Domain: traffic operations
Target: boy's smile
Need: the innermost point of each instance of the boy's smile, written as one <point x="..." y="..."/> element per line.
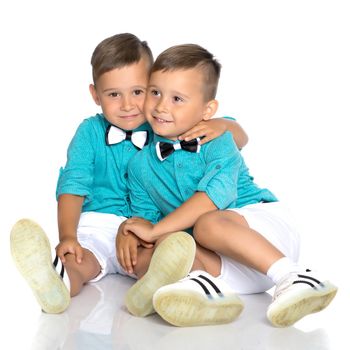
<point x="174" y="102"/>
<point x="121" y="94"/>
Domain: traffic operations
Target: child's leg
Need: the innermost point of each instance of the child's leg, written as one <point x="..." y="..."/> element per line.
<point x="272" y="252"/>
<point x="79" y="274"/>
<point x="144" y="256"/>
<point x="205" y="260"/>
<point x="228" y="233"/>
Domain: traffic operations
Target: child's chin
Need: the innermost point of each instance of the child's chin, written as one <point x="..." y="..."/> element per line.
<point x="134" y="124"/>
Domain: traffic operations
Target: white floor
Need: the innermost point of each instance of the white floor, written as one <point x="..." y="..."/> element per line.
<point x="97" y="319"/>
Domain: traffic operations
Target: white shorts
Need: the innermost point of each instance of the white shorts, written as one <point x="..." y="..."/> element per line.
<point x="97" y="233"/>
<point x="274" y="222"/>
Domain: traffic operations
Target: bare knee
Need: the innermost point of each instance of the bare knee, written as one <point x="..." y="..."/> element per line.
<point x="206" y="226"/>
<point x="211" y="224"/>
<point x="81" y="273"/>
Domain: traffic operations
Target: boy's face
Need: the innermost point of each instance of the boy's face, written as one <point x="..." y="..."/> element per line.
<point x="174" y="102"/>
<point x="121" y="94"/>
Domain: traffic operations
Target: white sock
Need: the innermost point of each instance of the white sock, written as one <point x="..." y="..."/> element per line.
<point x="281" y="268"/>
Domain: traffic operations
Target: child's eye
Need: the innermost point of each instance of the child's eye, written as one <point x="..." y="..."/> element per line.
<point x="138" y="92"/>
<point x="155" y="92"/>
<point x="177" y="99"/>
<point x="114" y="94"/>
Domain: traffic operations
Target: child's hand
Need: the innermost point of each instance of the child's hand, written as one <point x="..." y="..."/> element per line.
<point x="140" y="227"/>
<point x="71" y="246"/>
<point x="126" y="247"/>
<point x="207" y="129"/>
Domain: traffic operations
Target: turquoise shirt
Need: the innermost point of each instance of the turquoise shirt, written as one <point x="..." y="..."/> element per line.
<point x="98" y="171"/>
<point x="158" y="187"/>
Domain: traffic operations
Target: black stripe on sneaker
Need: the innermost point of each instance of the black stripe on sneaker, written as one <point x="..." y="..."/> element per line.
<point x="306" y="282"/>
<point x="310" y="278"/>
<point x="214" y="286"/>
<point x="55" y="263"/>
<point x="206" y="290"/>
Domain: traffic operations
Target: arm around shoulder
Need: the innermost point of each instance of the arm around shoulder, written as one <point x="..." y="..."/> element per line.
<point x="239" y="135"/>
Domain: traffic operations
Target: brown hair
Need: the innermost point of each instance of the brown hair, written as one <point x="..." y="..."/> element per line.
<point x="118" y="51"/>
<point x="188" y="56"/>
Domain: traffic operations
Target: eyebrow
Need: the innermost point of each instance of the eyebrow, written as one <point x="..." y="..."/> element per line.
<point x="132" y="88"/>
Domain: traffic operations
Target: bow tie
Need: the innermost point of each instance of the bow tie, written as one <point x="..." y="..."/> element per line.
<point x="165" y="149"/>
<point x="115" y="135"/>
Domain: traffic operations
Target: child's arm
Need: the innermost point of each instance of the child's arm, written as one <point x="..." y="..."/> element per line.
<point x="215" y="127"/>
<point x="73" y="186"/>
<point x="219" y="182"/>
<point x="181" y="218"/>
<point x="68" y="214"/>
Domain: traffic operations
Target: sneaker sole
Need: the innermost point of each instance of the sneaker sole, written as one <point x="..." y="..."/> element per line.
<point x="290" y="309"/>
<point x="31" y="253"/>
<point x="188" y="308"/>
<point x="171" y="261"/>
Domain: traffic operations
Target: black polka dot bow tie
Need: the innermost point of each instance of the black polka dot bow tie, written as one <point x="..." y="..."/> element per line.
<point x="165" y="149"/>
<point x="115" y="135"/>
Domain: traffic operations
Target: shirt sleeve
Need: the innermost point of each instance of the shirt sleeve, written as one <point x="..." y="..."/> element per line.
<point x="229" y="117"/>
<point x="77" y="175"/>
<point x="141" y="203"/>
<point x="223" y="161"/>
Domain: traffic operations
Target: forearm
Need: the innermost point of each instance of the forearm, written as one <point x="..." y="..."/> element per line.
<point x="68" y="215"/>
<point x="184" y="216"/>
<point x="239" y="135"/>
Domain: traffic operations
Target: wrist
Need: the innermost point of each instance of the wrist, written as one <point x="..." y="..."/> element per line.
<point x="156" y="231"/>
<point x="64" y="236"/>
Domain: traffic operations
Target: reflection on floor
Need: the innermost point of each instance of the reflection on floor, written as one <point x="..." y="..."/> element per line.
<point x="97" y="319"/>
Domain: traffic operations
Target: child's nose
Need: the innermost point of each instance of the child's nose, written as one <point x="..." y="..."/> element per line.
<point x="161" y="105"/>
<point x="127" y="104"/>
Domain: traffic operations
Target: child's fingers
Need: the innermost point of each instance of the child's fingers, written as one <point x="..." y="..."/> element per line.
<point x="60" y="254"/>
<point x="125" y="230"/>
<point x="192" y="134"/>
<point x="127" y="261"/>
<point x="133" y="255"/>
<point x="120" y="257"/>
<point x="206" y="139"/>
<point x="79" y="254"/>
<point x="146" y="244"/>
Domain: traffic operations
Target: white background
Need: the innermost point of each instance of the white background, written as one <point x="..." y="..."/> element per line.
<point x="285" y="77"/>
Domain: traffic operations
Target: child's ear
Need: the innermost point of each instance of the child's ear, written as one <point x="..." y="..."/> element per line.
<point x="210" y="109"/>
<point x="94" y="94"/>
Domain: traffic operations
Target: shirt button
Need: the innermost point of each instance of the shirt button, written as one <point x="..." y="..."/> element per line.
<point x="128" y="199"/>
<point x="179" y="165"/>
<point x="126" y="175"/>
<point x="218" y="166"/>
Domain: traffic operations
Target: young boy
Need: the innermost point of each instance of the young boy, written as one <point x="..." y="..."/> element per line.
<point x="92" y="191"/>
<point x="177" y="186"/>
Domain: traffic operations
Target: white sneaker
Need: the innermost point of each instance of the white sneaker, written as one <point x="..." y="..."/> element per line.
<point x="171" y="261"/>
<point x="31" y="252"/>
<point x="197" y="300"/>
<point x="298" y="295"/>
